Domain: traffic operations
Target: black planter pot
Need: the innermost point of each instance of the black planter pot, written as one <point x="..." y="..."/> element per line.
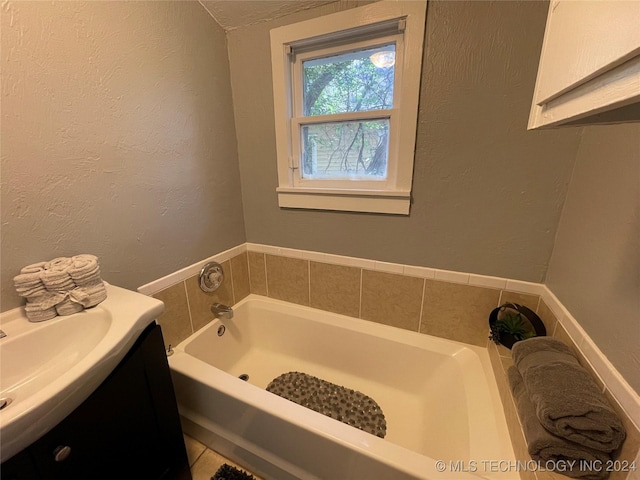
<point x="507" y="339"/>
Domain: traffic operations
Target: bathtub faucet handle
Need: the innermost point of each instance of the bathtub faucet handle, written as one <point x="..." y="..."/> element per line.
<point x="223" y="312"/>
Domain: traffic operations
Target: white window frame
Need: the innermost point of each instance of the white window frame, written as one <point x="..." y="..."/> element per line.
<point x="400" y="22"/>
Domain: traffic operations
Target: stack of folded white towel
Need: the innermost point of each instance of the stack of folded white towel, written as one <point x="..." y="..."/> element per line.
<point x="62" y="286"/>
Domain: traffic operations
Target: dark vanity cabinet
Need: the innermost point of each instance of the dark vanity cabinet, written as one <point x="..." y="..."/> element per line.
<point x="128" y="428"/>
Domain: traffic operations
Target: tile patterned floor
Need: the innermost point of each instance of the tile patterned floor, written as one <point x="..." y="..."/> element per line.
<point x="204" y="462"/>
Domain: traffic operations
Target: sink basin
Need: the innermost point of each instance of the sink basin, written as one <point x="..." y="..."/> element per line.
<point x="48" y="369"/>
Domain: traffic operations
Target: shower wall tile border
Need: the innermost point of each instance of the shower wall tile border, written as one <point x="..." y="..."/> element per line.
<point x="184" y="273"/>
<point x="628" y="399"/>
<point x="484" y="281"/>
<point x="186" y="306"/>
<point x="422" y="272"/>
<point x="387" y="267"/>
<point x="452" y="277"/>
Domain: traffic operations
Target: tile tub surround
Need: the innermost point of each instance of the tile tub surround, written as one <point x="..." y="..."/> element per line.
<point x="187" y="307"/>
<point x="413" y="298"/>
<point x="453" y="305"/>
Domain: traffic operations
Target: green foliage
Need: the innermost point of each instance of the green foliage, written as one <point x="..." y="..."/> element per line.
<point x="353" y="85"/>
<point x="346" y="83"/>
<point x="513" y="324"/>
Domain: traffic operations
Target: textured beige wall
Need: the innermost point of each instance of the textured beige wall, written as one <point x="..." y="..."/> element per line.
<point x="487" y="193"/>
<point x="117" y="138"/>
<point x="595" y="267"/>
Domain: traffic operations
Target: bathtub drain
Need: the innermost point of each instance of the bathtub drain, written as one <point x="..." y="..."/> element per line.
<point x="244" y="377"/>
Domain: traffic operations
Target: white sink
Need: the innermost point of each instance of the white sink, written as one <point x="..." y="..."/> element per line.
<point x="47" y="369"/>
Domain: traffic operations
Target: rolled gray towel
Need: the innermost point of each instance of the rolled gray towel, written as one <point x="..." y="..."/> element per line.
<point x="545" y="447"/>
<point x="567" y="401"/>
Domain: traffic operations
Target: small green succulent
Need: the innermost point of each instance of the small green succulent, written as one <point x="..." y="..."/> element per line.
<point x="513" y="324"/>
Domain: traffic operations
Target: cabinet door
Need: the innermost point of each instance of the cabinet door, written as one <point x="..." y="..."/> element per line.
<point x="584" y="39"/>
<point x="19" y="467"/>
<point x="128" y="428"/>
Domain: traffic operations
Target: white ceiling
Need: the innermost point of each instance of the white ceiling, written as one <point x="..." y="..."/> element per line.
<point x="231" y="14"/>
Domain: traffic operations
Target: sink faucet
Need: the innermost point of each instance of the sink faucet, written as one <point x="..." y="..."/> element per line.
<point x="223" y="312"/>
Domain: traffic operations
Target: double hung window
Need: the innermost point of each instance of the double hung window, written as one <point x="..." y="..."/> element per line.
<point x="346" y="94"/>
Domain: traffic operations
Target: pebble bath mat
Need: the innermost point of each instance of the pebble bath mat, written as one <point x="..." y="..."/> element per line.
<point x="343" y="404"/>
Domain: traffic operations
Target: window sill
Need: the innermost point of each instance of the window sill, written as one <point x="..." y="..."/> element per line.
<point x="390" y="202"/>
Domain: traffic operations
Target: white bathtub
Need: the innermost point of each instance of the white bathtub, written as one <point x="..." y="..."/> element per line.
<point x="439" y="397"/>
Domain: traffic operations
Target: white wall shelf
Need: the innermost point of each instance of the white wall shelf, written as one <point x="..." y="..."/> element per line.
<point x="589" y="69"/>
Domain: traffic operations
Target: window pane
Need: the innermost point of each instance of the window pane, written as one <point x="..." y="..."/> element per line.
<point x="350" y="82"/>
<point x="353" y="150"/>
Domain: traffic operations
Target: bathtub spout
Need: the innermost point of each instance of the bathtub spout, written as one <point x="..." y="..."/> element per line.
<point x="223" y="312"/>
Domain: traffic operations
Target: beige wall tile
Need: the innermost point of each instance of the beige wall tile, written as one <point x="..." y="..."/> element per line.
<point x="529" y="301"/>
<point x="495" y="360"/>
<point x="506" y="363"/>
<point x="499" y="365"/>
<point x="501" y="378"/>
<point x="200" y="302"/>
<point x="596" y="378"/>
<point x="631" y="445"/>
<point x="561" y="334"/>
<point x="335" y="288"/>
<point x="240" y="276"/>
<point x="257" y="273"/>
<point x="458" y="312"/>
<point x="391" y="299"/>
<point x="288" y="279"/>
<point x="547" y="317"/>
<point x="502" y="350"/>
<point x="544" y="475"/>
<point x="518" y="442"/>
<point x="175" y="321"/>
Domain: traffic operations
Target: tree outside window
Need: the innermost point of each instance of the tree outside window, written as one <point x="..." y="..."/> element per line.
<point x="347" y="83"/>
